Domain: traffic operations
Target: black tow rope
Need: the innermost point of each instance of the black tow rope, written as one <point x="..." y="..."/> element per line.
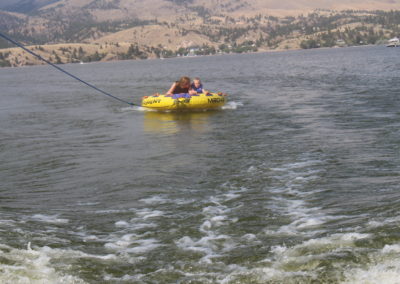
<point x="62" y="70"/>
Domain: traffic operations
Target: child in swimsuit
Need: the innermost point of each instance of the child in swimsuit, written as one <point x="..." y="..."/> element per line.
<point x="197" y="86"/>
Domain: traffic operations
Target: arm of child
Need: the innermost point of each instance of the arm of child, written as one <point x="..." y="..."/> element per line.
<point x="171" y="90"/>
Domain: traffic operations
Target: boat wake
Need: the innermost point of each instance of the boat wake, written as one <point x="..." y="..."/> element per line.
<point x="232" y="105"/>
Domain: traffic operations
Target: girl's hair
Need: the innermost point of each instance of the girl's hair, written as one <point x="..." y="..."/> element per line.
<point x="184" y="80"/>
<point x="196" y="79"/>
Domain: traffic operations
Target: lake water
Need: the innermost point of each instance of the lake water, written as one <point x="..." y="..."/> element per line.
<point x="296" y="180"/>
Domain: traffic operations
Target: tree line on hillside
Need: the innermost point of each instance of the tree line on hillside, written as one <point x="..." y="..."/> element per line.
<point x="242" y="34"/>
<point x="320" y="30"/>
<point x="369" y="29"/>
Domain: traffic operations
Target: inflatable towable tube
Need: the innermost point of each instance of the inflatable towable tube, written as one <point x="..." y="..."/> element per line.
<point x="185" y="101"/>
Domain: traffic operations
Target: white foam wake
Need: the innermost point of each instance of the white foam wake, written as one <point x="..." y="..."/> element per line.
<point x="232" y="105"/>
<point x="34" y="266"/>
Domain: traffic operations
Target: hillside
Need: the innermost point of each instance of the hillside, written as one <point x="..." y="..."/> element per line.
<point x="129" y="29"/>
<point x="156" y="8"/>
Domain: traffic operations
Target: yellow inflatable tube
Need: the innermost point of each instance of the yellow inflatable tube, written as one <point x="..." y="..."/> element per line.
<point x="185" y="101"/>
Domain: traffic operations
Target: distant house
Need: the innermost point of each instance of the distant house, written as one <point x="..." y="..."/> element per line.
<point x="394" y="42"/>
<point x="192" y="51"/>
<point x="341" y="43"/>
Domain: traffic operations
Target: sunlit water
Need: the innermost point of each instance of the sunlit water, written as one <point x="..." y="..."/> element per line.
<point x="295" y="181"/>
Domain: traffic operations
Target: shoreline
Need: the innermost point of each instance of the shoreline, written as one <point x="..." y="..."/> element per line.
<point x="21" y="52"/>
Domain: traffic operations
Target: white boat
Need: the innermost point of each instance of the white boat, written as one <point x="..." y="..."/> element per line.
<point x="394" y="42"/>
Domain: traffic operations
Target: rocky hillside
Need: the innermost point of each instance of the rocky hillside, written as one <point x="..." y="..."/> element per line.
<point x="92" y="30"/>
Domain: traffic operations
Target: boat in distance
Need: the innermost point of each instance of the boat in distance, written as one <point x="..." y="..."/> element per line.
<point x="394" y="42"/>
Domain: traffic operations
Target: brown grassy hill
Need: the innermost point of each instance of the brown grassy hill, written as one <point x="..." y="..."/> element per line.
<point x="88" y="20"/>
<point x="130" y="29"/>
<point x="170" y="9"/>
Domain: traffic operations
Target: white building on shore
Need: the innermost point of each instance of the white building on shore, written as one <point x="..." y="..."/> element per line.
<point x="394" y="42"/>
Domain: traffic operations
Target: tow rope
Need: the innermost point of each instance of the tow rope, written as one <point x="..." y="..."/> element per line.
<point x="62" y="70"/>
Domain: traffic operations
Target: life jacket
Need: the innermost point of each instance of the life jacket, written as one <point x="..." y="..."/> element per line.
<point x="179" y="90"/>
<point x="198" y="90"/>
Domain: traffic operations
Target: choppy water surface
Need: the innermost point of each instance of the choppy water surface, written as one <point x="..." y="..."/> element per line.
<point x="295" y="181"/>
